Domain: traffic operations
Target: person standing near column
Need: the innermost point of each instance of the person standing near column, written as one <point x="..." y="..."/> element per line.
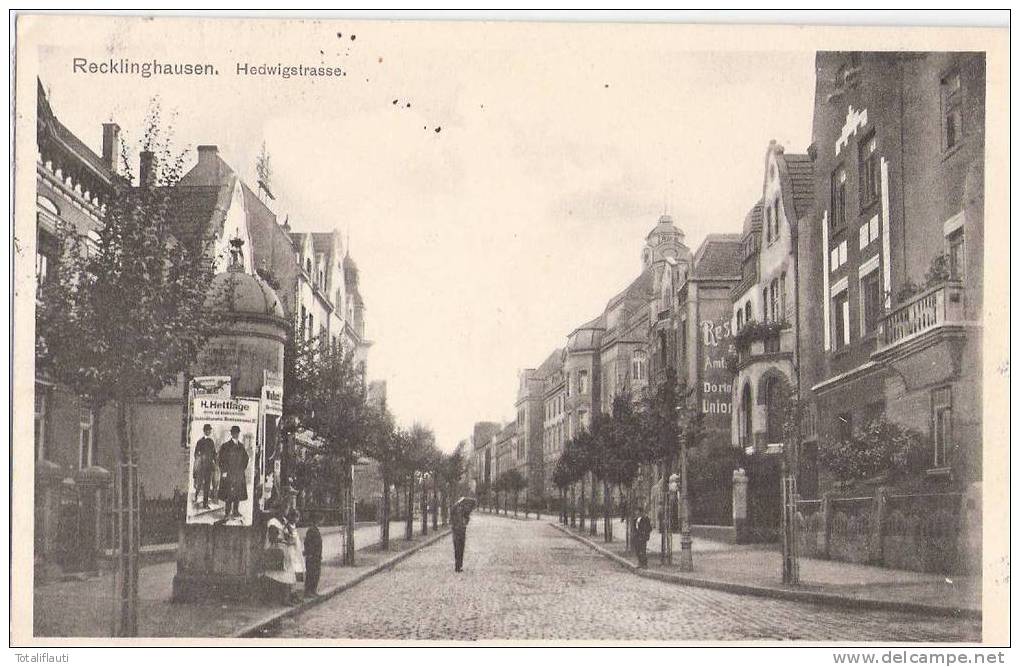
<point x="313" y="555"/>
<point x="642" y="531"/>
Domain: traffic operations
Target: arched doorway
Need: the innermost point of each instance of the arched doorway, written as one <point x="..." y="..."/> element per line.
<point x="774" y="410"/>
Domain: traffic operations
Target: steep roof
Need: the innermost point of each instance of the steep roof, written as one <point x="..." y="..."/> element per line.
<point x="202" y="197"/>
<point x="753" y="219"/>
<point x="588" y="336"/>
<point x="718" y="258"/>
<point x="551" y="363"/>
<point x="640" y="288"/>
<point x="322" y="242"/>
<point x="68" y="140"/>
<point x="801" y="174"/>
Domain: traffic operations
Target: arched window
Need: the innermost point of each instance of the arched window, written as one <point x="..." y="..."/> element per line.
<point x="639" y="366"/>
<point x="747" y="311"/>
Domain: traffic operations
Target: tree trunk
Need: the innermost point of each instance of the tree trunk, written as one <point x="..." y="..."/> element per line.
<point x="607" y="511"/>
<point x="628" y="510"/>
<point x="384" y="526"/>
<point x="665" y="524"/>
<point x="347" y="511"/>
<point x="583" y="504"/>
<point x="435" y="505"/>
<point x="424" y="508"/>
<point x="396" y="501"/>
<point x="409" y="523"/>
<point x="129" y="531"/>
<point x="593" y="523"/>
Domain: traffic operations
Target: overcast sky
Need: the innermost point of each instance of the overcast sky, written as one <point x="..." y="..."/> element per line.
<point x="483" y="245"/>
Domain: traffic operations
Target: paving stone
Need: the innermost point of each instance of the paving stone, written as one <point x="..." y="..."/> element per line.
<point x="526" y="580"/>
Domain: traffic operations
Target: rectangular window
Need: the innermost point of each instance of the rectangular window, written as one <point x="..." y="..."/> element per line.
<point x="868" y="154"/>
<point x="837" y="256"/>
<point x="942" y="425"/>
<point x="952" y="118"/>
<point x="957" y="258"/>
<point x="871" y="302"/>
<point x="41" y="400"/>
<point x="765" y="304"/>
<point x="840" y="320"/>
<point x="838" y="199"/>
<point x="86" y="437"/>
<point x="582" y="382"/>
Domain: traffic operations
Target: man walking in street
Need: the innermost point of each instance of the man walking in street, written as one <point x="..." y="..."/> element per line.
<point x="205" y="455"/>
<point x="459" y="517"/>
<point x="642" y="531"/>
<point x="313" y="556"/>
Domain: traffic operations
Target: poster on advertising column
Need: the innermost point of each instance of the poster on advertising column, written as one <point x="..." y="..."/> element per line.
<point x="223" y="434"/>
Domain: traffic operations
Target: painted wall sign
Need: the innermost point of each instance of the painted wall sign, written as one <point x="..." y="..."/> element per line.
<point x="716" y="379"/>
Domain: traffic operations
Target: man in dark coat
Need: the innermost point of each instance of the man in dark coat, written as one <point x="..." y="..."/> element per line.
<point x="642" y="531"/>
<point x="459" y="517"/>
<point x="205" y="455"/>
<point x="233" y="461"/>
<point x="313" y="555"/>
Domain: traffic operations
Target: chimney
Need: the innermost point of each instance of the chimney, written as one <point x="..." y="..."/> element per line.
<point x="111" y="142"/>
<point x="146" y="164"/>
<point x="207" y="153"/>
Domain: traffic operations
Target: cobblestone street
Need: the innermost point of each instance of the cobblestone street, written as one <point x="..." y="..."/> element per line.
<point x="526" y="580"/>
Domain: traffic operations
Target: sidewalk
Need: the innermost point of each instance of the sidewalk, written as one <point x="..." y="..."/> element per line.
<point x="756" y="569"/>
<point x="84" y="608"/>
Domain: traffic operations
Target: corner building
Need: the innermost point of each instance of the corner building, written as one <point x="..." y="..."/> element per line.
<point x="891" y="264"/>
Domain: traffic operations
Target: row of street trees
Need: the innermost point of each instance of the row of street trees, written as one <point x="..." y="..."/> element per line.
<point x="123" y="314"/>
<point x="507" y="485"/>
<point x="325" y="394"/>
<point x="612" y="451"/>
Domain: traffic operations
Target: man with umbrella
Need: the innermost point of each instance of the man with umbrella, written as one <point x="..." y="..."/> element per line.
<point x="460" y="514"/>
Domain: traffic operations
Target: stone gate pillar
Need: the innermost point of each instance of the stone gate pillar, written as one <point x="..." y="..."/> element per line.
<point x="740" y="506"/>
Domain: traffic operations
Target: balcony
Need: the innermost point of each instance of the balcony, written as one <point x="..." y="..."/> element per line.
<point x="763" y="342"/>
<point x="922" y="338"/>
<point x="931" y="309"/>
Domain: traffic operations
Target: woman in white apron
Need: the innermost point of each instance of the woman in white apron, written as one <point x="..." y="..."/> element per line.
<point x="295" y="550"/>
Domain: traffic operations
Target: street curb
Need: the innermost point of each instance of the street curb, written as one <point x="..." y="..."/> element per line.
<point x="502" y="516"/>
<point x="256" y="628"/>
<point x="816" y="597"/>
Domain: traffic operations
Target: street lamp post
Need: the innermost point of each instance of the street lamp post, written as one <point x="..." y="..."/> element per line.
<point x="679" y="486"/>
